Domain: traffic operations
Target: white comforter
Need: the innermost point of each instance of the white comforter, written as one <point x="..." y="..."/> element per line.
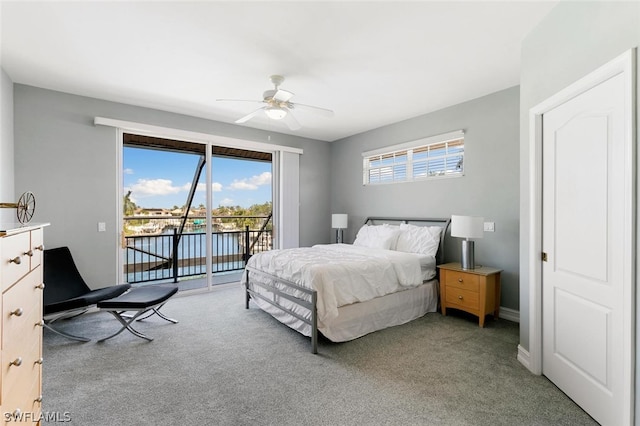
<point x="341" y="273"/>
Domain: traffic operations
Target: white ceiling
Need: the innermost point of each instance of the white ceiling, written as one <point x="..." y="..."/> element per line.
<point x="373" y="63"/>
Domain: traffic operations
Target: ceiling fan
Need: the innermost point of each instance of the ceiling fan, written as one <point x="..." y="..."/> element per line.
<point x="278" y="105"/>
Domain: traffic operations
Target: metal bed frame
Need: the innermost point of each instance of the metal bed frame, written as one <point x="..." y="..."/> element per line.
<point x="312" y="295"/>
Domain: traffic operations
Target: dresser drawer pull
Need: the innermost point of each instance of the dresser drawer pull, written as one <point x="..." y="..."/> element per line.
<point x="17" y="414"/>
<point x="18" y="312"/>
<point x="460" y="297"/>
<point x="40" y="247"/>
<point x="16" y="260"/>
<point x="39" y="361"/>
<point x="39" y="323"/>
<point x="17" y="362"/>
<point x="40" y="286"/>
<point x="459" y="280"/>
<point x="28" y="253"/>
<point x="38" y="399"/>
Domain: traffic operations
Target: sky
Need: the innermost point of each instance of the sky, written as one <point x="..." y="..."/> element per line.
<point x="162" y="179"/>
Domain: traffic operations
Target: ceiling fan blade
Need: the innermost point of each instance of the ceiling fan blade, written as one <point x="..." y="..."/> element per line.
<point x="291" y="121"/>
<point x="248" y="116"/>
<point x="282" y="95"/>
<point x="321" y="111"/>
<point x="239" y="100"/>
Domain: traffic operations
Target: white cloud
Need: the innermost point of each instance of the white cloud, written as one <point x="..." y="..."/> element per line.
<point x="150" y="187"/>
<point x="251" y="183"/>
<point x="226" y="202"/>
<point x="127" y="171"/>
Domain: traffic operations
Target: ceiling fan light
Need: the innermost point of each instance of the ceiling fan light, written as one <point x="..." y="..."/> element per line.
<point x="275" y="113"/>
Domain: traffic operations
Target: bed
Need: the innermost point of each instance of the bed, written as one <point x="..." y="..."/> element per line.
<point x="387" y="277"/>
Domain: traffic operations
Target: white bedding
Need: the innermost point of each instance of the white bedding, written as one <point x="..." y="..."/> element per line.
<point x="343" y="274"/>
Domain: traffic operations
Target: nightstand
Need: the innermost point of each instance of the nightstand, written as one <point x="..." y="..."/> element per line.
<point x="476" y="291"/>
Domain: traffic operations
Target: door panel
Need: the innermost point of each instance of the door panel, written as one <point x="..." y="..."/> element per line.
<point x="584" y="197"/>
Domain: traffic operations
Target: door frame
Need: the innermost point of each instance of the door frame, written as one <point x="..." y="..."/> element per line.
<point x="532" y="358"/>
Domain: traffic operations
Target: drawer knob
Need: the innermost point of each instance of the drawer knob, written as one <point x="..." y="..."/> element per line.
<point x="39" y="361"/>
<point x="16" y="260"/>
<point x="29" y="253"/>
<point x="460" y="297"/>
<point x="459" y="280"/>
<point x="17" y="312"/>
<point x="17" y="414"/>
<point x="17" y="362"/>
<point x="39" y="323"/>
<point x="40" y="247"/>
<point x="38" y="399"/>
<point x="40" y="286"/>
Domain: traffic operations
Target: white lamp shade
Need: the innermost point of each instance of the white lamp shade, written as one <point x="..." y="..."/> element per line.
<point x="339" y="221"/>
<point x="467" y="226"/>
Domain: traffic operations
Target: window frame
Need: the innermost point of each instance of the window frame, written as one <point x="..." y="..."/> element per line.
<point x="383" y="160"/>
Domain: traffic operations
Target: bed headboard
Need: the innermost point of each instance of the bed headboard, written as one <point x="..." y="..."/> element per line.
<point x="441" y="222"/>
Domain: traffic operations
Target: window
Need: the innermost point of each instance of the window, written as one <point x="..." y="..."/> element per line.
<point x="437" y="156"/>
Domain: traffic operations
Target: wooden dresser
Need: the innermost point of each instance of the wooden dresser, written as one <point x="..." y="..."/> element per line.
<point x="21" y="253"/>
<point x="476" y="291"/>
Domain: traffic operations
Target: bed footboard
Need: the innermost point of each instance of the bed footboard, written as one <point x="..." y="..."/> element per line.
<point x="277" y="293"/>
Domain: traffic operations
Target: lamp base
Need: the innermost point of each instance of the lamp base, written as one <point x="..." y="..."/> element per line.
<point x="468" y="261"/>
<point x="339" y="236"/>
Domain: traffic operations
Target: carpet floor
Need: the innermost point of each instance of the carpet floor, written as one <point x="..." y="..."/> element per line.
<point x="225" y="365"/>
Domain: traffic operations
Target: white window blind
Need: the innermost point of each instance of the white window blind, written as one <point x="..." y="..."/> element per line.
<point x="437" y="156"/>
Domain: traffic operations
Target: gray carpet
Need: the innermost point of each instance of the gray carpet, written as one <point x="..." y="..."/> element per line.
<point x="224" y="365"/>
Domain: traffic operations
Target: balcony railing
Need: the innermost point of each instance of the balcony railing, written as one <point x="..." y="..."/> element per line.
<point x="163" y="253"/>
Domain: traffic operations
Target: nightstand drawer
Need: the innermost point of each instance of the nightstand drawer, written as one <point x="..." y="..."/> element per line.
<point x="465" y="298"/>
<point x="463" y="281"/>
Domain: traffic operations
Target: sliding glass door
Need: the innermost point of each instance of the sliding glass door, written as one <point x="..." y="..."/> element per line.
<point x="184" y="203"/>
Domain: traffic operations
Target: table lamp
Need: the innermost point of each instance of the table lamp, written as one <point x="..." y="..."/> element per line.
<point x="467" y="227"/>
<point x="339" y="223"/>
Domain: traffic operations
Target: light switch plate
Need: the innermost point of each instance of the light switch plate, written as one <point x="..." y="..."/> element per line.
<point x="489" y="227"/>
<point x="102" y="227"/>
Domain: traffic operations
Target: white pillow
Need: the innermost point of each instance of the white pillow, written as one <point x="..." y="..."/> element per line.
<point x="377" y="236"/>
<point x="419" y="239"/>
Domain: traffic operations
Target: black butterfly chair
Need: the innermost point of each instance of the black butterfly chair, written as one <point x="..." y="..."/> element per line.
<point x="66" y="294"/>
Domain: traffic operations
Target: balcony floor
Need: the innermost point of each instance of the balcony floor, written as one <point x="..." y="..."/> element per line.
<point x="199" y="283"/>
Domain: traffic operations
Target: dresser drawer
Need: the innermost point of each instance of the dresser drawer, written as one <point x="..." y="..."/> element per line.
<point x="462" y="280"/>
<point x="37" y="247"/>
<point x="464" y="298"/>
<point x="20" y="365"/>
<point x="25" y="397"/>
<point x="15" y="261"/>
<point x="21" y="311"/>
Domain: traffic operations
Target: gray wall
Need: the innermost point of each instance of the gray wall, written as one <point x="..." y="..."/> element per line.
<point x="573" y="40"/>
<point x="489" y="187"/>
<point x="70" y="165"/>
<point x="7" y="194"/>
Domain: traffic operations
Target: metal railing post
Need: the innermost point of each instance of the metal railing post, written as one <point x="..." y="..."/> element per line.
<point x="246" y="244"/>
<point x="175" y="255"/>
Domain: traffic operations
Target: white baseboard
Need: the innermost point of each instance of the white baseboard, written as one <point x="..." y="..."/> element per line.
<point x="509" y="314"/>
<point x="525" y="358"/>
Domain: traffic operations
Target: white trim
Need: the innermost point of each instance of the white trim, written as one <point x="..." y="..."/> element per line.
<point x="445" y="137"/>
<point x="509" y="314"/>
<point x="208" y="270"/>
<point x="119" y="209"/>
<point x="187" y="135"/>
<point x="625" y="64"/>
<point x="523" y="357"/>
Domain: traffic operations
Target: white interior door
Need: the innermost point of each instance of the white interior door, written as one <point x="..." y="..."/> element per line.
<point x="586" y="278"/>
